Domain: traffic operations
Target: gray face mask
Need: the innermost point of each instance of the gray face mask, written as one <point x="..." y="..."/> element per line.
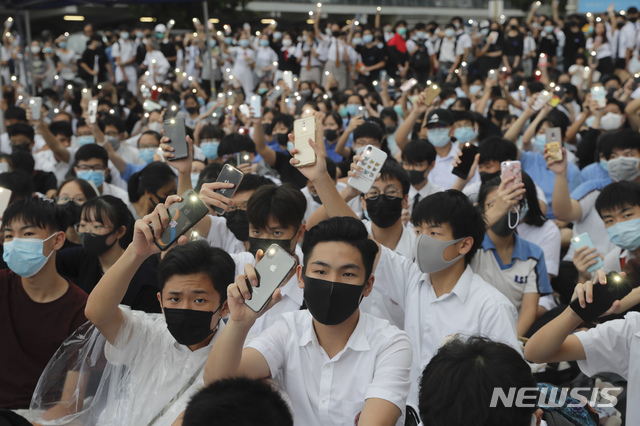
<point x="114" y="141"/>
<point x="429" y="253"/>
<point x="505" y="226"/>
<point x="624" y="168"/>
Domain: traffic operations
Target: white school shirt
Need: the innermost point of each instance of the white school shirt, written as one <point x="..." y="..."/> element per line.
<point x="473" y="307"/>
<point x="441" y="173"/>
<point x="616" y="260"/>
<point x="425" y="191"/>
<point x="375" y="363"/>
<point x="548" y="238"/>
<point x="614" y="347"/>
<point x="125" y="50"/>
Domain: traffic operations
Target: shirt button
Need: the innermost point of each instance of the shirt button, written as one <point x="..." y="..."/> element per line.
<point x="323" y="400"/>
<point x="427" y="329"/>
<point x="326" y="367"/>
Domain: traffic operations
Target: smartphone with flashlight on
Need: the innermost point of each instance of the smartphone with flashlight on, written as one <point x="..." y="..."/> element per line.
<point x="229" y="174"/>
<point x="183" y="215"/>
<point x="272" y="271"/>
<point x="175" y="130"/>
<point x="616" y="288"/>
<point x="511" y="169"/>
<point x="467" y="158"/>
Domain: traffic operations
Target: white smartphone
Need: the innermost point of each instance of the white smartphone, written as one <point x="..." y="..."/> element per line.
<point x="35" y="105"/>
<point x="303" y="130"/>
<point x="372" y="160"/>
<point x="244" y="109"/>
<point x="93" y="111"/>
<point x="256" y="106"/>
<point x="287" y="76"/>
<point x="272" y="271"/>
<point x="584" y="240"/>
<point x="5" y="196"/>
<point x="407" y="85"/>
<point x="600" y="95"/>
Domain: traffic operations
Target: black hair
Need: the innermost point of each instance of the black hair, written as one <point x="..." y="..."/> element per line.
<point x="92" y="150"/>
<point x="15" y="113"/>
<point x="393" y="170"/>
<point x="21" y="129"/>
<point x="225" y="402"/>
<point x="285" y="203"/>
<point x="19" y="182"/>
<point x="23" y="160"/>
<point x="211" y="132"/>
<point x="453" y="208"/>
<point x="251" y="182"/>
<point x="463" y="115"/>
<point x="466" y="103"/>
<point x="112" y="120"/>
<point x="466" y="374"/>
<point x="154" y="176"/>
<point x="495" y="148"/>
<point x="109" y="209"/>
<point x="235" y="142"/>
<point x="336" y="117"/>
<point x="153" y="133"/>
<point x="368" y="130"/>
<point x="418" y="151"/>
<point x="209" y="174"/>
<point x="286" y="119"/>
<point x="617" y="195"/>
<point x="85" y="187"/>
<point x="331" y="168"/>
<point x="535" y="217"/>
<point x="622" y="140"/>
<point x="61" y="127"/>
<point x="346" y="230"/>
<point x="199" y="257"/>
<point x="37" y="211"/>
<point x="389" y="113"/>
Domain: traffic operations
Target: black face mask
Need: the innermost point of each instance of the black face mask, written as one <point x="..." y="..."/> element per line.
<point x="331" y="134"/>
<point x="331" y="303"/>
<point x="499" y="114"/>
<point x="620" y="25"/>
<point x="238" y="223"/>
<point x="633" y="19"/>
<point x="24" y="147"/>
<point x="188" y="326"/>
<point x="281" y="138"/>
<point x="390" y="129"/>
<point x="337" y="34"/>
<point x="192" y="110"/>
<point x="96" y="245"/>
<point x="266" y="128"/>
<point x="384" y="212"/>
<point x="416" y="177"/>
<point x="73" y="211"/>
<point x="263" y="244"/>
<point x="501" y="227"/>
<point x="485" y="176"/>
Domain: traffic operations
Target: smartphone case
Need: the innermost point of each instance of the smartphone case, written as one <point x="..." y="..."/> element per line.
<point x="229" y="174"/>
<point x="407" y="85"/>
<point x="432" y="93"/>
<point x="511" y="169"/>
<point x="603" y="297"/>
<point x="35" y="105"/>
<point x="469" y="152"/>
<point x="183" y="216"/>
<point x="175" y="130"/>
<point x="372" y="160"/>
<point x="304" y="129"/>
<point x="92" y="109"/>
<point x="554" y="143"/>
<point x="583" y="240"/>
<point x="599" y="94"/>
<point x="272" y="271"/>
<point x="287" y="76"/>
<point x="256" y="106"/>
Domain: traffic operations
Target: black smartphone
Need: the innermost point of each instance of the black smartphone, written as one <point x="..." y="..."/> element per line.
<point x="175" y="130"/>
<point x="272" y="271"/>
<point x="229" y="174"/>
<point x="183" y="215"/>
<point x="469" y="152"/>
<point x="616" y="288"/>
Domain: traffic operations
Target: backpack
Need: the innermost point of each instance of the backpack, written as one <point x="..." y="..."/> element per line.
<point x="420" y="60"/>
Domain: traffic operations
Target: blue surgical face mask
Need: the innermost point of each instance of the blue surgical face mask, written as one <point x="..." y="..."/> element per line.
<point x="290" y="146"/>
<point x="244" y="42"/>
<point x="212" y="43"/>
<point x="475" y="89"/>
<point x="228" y="41"/>
<point x="438" y="137"/>
<point x="62" y="45"/>
<point x="343" y="112"/>
<point x="398" y="110"/>
<point x="524" y="210"/>
<point x="48" y="50"/>
<point x="277" y="35"/>
<point x="448" y="102"/>
<point x="367" y="38"/>
<point x="360" y="149"/>
<point x="352" y="109"/>
<point x="210" y="149"/>
<point x="548" y="29"/>
<point x="86" y="140"/>
<point x="540" y="141"/>
<point x="465" y="134"/>
<point x="449" y="32"/>
<point x="146" y="154"/>
<point x="194" y="179"/>
<point x="264" y="42"/>
<point x="125" y="36"/>
<point x="625" y="235"/>
<point x="380" y="45"/>
<point x="24" y="256"/>
<point x="139" y="34"/>
<point x="589" y="121"/>
<point x="604" y="164"/>
<point x="356" y="41"/>
<point x="95" y="176"/>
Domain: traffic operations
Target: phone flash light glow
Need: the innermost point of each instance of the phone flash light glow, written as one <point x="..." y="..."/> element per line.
<point x="272" y="252"/>
<point x="173" y="121"/>
<point x="194" y="198"/>
<point x="69" y="87"/>
<point x="617" y="278"/>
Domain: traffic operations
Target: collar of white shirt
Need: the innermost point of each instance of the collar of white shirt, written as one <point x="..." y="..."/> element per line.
<point x="462" y="287"/>
<point x="357" y="341"/>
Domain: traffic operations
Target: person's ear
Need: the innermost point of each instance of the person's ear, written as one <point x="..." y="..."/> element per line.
<point x="405" y="201"/>
<point x="224" y="311"/>
<point x="467" y="245"/>
<point x="121" y="232"/>
<point x="159" y="296"/>
<point x="59" y="239"/>
<point x="299" y="276"/>
<point x="368" y="286"/>
<point x="300" y="233"/>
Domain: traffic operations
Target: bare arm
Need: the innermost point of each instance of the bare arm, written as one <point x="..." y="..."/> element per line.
<point x="632" y="113"/>
<point x="528" y="311"/>
<point x="379" y="412"/>
<point x="554" y="342"/>
<point x="531" y="130"/>
<point x="564" y="207"/>
<point x="262" y="148"/>
<point x="341" y="146"/>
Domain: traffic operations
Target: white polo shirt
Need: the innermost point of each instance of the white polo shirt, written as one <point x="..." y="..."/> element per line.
<point x="614" y="347"/>
<point x="591" y="223"/>
<point x="375" y="363"/>
<point x="473" y="307"/>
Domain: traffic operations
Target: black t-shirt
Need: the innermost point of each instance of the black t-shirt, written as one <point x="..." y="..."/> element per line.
<point x="573" y="43"/>
<point x="548" y="45"/>
<point x="288" y="173"/>
<point x="513" y="46"/>
<point x="370" y="55"/>
<point x="85" y="270"/>
<point x="88" y="57"/>
<point x="169" y="51"/>
<point x="44" y="181"/>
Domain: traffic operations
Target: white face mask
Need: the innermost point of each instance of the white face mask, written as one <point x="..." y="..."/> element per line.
<point x="611" y="121"/>
<point x="286" y="42"/>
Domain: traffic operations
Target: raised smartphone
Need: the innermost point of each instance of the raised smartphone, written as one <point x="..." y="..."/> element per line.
<point x="469" y="152"/>
<point x="229" y="174"/>
<point x="407" y="85"/>
<point x="35" y="105"/>
<point x="92" y="109"/>
<point x="272" y="271"/>
<point x="256" y="106"/>
<point x="599" y="94"/>
<point x="183" y="215"/>
<point x="243" y="158"/>
<point x="287" y="76"/>
<point x="303" y="130"/>
<point x="432" y="92"/>
<point x="86" y="94"/>
<point x="616" y="288"/>
<point x="175" y="130"/>
<point x="553" y="138"/>
<point x="511" y="169"/>
<point x="372" y="160"/>
<point x="584" y="240"/>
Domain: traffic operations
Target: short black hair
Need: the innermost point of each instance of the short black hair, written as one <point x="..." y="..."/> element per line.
<point x="286" y="119"/>
<point x="463" y="115"/>
<point x="252" y="181"/>
<point x="112" y="120"/>
<point x="224" y="403"/>
<point x="498" y="149"/>
<point x="109" y="209"/>
<point x="418" y="151"/>
<point x="235" y="142"/>
<point x="211" y="132"/>
<point x="37" y="211"/>
<point x="389" y="112"/>
<point x="209" y="174"/>
<point x="617" y="195"/>
<point x="19" y="182"/>
<point x="61" y="127"/>
<point x="453" y="208"/>
<point x="457" y="386"/>
<point x="15" y="113"/>
<point x="199" y="257"/>
<point x="21" y="129"/>
<point x="622" y="139"/>
<point x="368" y="130"/>
<point x="393" y="170"/>
<point x="154" y="176"/>
<point x="331" y="168"/>
<point x="92" y="150"/>
<point x="346" y="230"/>
<point x="285" y="203"/>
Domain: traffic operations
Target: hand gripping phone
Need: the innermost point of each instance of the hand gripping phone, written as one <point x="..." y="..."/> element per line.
<point x="183" y="216"/>
<point x="175" y="130"/>
<point x="272" y="271"/>
<point x="616" y="288"/>
<point x="92" y="110"/>
<point x="229" y="174"/>
<point x="469" y="152"/>
<point x="433" y="92"/>
<point x="35" y="105"/>
<point x="511" y="169"/>
<point x="599" y="94"/>
<point x="554" y="143"/>
<point x="304" y="129"/>
<point x="584" y="240"/>
<point x="372" y="160"/>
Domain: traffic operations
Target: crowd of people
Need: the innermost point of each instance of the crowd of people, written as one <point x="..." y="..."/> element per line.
<point x="410" y="302"/>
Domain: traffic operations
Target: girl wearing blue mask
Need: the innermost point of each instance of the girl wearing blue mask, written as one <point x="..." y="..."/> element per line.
<point x="150" y="187"/>
<point x="148" y="145"/>
<point x="266" y="57"/>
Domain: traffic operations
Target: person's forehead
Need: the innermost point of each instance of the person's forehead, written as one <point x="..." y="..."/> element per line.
<point x="71" y="188"/>
<point x="336" y="254"/>
<point x="91" y="161"/>
<point x="426" y="226"/>
<point x="619" y="209"/>
<point x="148" y="139"/>
<point x="463" y="123"/>
<point x="19" y="224"/>
<point x="189" y="284"/>
<point x="387" y="182"/>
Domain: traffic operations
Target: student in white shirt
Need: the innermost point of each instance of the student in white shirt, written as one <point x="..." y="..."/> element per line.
<point x="418" y="159"/>
<point x="115" y="133"/>
<point x="338" y="366"/>
<point x="124" y="54"/>
<point x="439" y="132"/>
<point x="164" y="354"/>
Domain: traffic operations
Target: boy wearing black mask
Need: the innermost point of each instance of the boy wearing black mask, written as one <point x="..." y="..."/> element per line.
<point x="418" y="159"/>
<point x="192" y="279"/>
<point x="337" y="364"/>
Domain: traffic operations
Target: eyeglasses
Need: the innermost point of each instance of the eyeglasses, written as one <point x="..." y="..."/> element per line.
<point x="390" y="193"/>
<point x="95" y="167"/>
<point x="65" y="200"/>
<point x="85" y="228"/>
<point x="241" y="206"/>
